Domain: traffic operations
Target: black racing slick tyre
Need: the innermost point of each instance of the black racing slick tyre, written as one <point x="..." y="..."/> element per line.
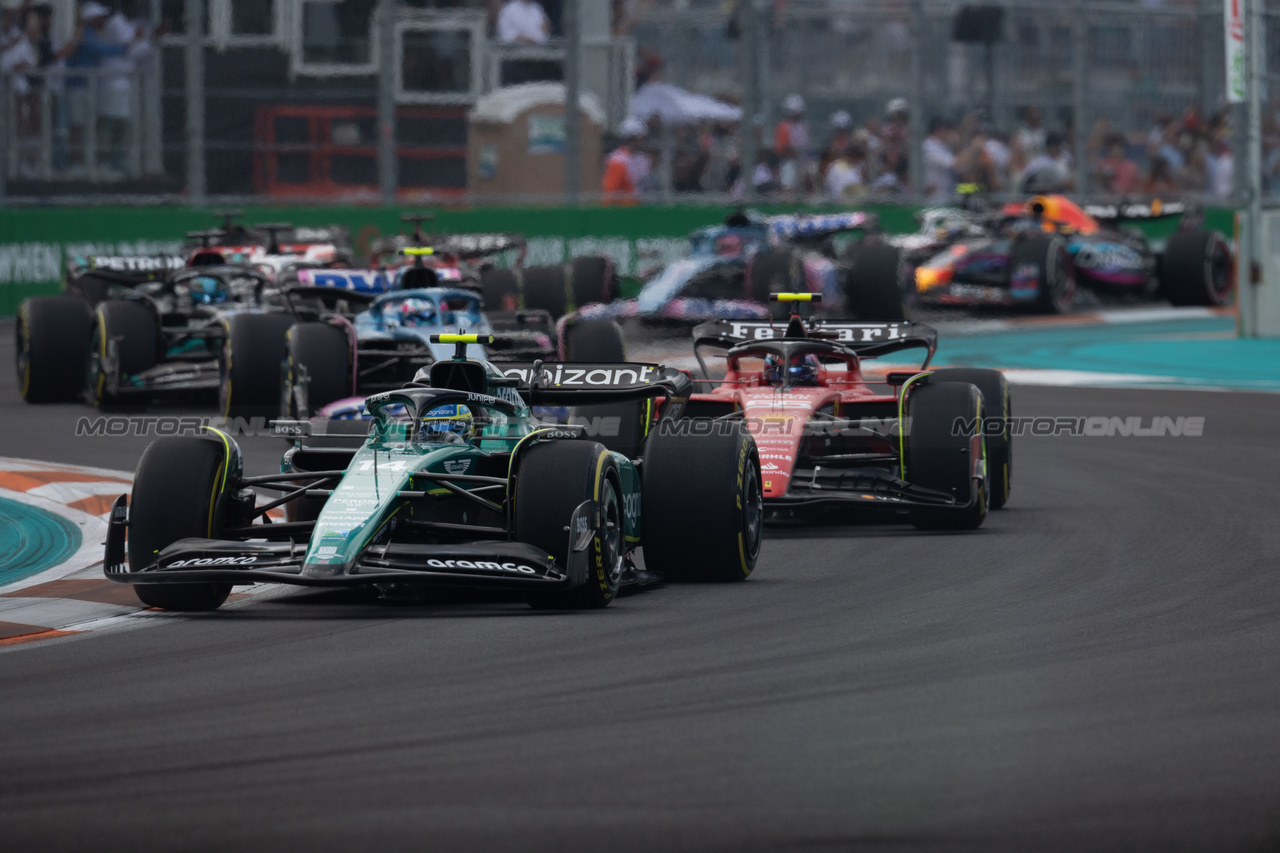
<point x="135" y="329"/>
<point x="702" y="511"/>
<point x="873" y="289"/>
<point x="618" y="426"/>
<point x="501" y="289"/>
<point x="593" y="280"/>
<point x="252" y="353"/>
<point x="1196" y="269"/>
<point x="175" y="496"/>
<point x="940" y="453"/>
<point x="552" y="480"/>
<point x="775" y="271"/>
<point x="1045" y="257"/>
<point x="997" y="408"/>
<point x="321" y="353"/>
<point x="594" y="340"/>
<point x="547" y="289"/>
<point x="52" y="342"/>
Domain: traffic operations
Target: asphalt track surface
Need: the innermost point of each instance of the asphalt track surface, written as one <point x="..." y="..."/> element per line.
<point x="1096" y="669"/>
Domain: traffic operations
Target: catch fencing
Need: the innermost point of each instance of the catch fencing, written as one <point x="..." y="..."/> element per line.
<point x="323" y="100"/>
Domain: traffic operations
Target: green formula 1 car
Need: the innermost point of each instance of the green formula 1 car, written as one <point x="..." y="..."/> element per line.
<point x="455" y="484"/>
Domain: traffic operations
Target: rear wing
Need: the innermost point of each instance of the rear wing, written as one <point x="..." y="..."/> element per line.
<point x="126" y="267"/>
<point x="1130" y="211"/>
<point x="338" y="235"/>
<point x="464" y="246"/>
<point x="816" y="227"/>
<point x="866" y="340"/>
<point x="580" y="383"/>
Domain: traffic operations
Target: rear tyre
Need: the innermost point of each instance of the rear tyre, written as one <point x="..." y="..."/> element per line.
<point x="618" y="426"/>
<point x="775" y="271"/>
<point x="135" y="329"/>
<point x="1196" y="269"/>
<point x="940" y="457"/>
<point x="324" y="353"/>
<point x="593" y="281"/>
<point x="546" y="289"/>
<point x="702" y="512"/>
<point x="996" y="403"/>
<point x="52" y="342"/>
<point x="553" y="479"/>
<point x="594" y="340"/>
<point x="873" y="290"/>
<point x="251" y="357"/>
<point x="175" y="494"/>
<point x="1045" y="258"/>
<point x="501" y="289"/>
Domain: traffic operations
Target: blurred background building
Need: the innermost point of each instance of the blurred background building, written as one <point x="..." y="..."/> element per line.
<point x="843" y="100"/>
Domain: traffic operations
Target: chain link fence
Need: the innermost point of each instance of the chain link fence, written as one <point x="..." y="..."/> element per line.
<point x="293" y="97"/>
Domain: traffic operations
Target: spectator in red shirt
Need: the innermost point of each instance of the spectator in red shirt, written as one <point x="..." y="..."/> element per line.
<point x="623" y="170"/>
<point x="792" y="145"/>
<point x="1117" y="173"/>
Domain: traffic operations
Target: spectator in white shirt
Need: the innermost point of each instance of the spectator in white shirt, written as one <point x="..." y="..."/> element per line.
<point x="523" y="22"/>
<point x="939" y="160"/>
<point x="1051" y="170"/>
<point x="845" y="178"/>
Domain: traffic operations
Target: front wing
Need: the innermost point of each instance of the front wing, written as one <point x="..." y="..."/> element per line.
<point x="496" y="564"/>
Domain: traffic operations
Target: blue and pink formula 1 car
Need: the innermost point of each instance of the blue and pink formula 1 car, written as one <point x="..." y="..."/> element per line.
<point x="731" y="270"/>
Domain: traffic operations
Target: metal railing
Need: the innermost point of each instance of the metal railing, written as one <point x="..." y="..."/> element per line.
<point x="92" y="125"/>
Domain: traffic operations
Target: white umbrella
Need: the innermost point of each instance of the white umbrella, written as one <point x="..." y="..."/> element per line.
<point x="679" y="106"/>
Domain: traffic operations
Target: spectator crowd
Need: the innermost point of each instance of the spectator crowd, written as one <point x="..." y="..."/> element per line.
<point x="89" y="79"/>
<point x="846" y="161"/>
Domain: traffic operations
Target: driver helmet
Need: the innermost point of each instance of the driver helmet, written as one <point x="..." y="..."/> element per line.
<point x="416" y="311"/>
<point x="729" y="245"/>
<point x="207" y="290"/>
<point x="802" y="369"/>
<point x="450" y="422"/>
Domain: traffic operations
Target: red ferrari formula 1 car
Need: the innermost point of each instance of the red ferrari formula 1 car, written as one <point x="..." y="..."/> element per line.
<point x="934" y="445"/>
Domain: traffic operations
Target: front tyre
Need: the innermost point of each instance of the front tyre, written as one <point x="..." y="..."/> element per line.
<point x="940" y="456"/>
<point x="175" y="496"/>
<point x="873" y="289"/>
<point x="251" y="357"/>
<point x="52" y="348"/>
<point x="134" y="331"/>
<point x="1196" y="269"/>
<point x="997" y="403"/>
<point x="552" y="481"/>
<point x="318" y="356"/>
<point x="1044" y="259"/>
<point x="702" y="512"/>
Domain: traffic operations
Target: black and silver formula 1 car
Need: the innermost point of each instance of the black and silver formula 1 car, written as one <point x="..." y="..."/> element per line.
<point x="456" y="484"/>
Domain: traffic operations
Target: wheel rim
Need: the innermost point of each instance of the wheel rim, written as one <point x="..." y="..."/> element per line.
<point x="94" y="377"/>
<point x="224" y="388"/>
<point x="752" y="514"/>
<point x="22" y="362"/>
<point x="1218" y="272"/>
<point x="1061" y="283"/>
<point x="613" y="533"/>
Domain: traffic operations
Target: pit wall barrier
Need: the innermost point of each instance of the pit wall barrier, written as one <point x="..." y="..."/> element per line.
<point x="34" y="242"/>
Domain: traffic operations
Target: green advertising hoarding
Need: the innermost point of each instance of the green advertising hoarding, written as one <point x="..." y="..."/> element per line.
<point x="34" y="242"/>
